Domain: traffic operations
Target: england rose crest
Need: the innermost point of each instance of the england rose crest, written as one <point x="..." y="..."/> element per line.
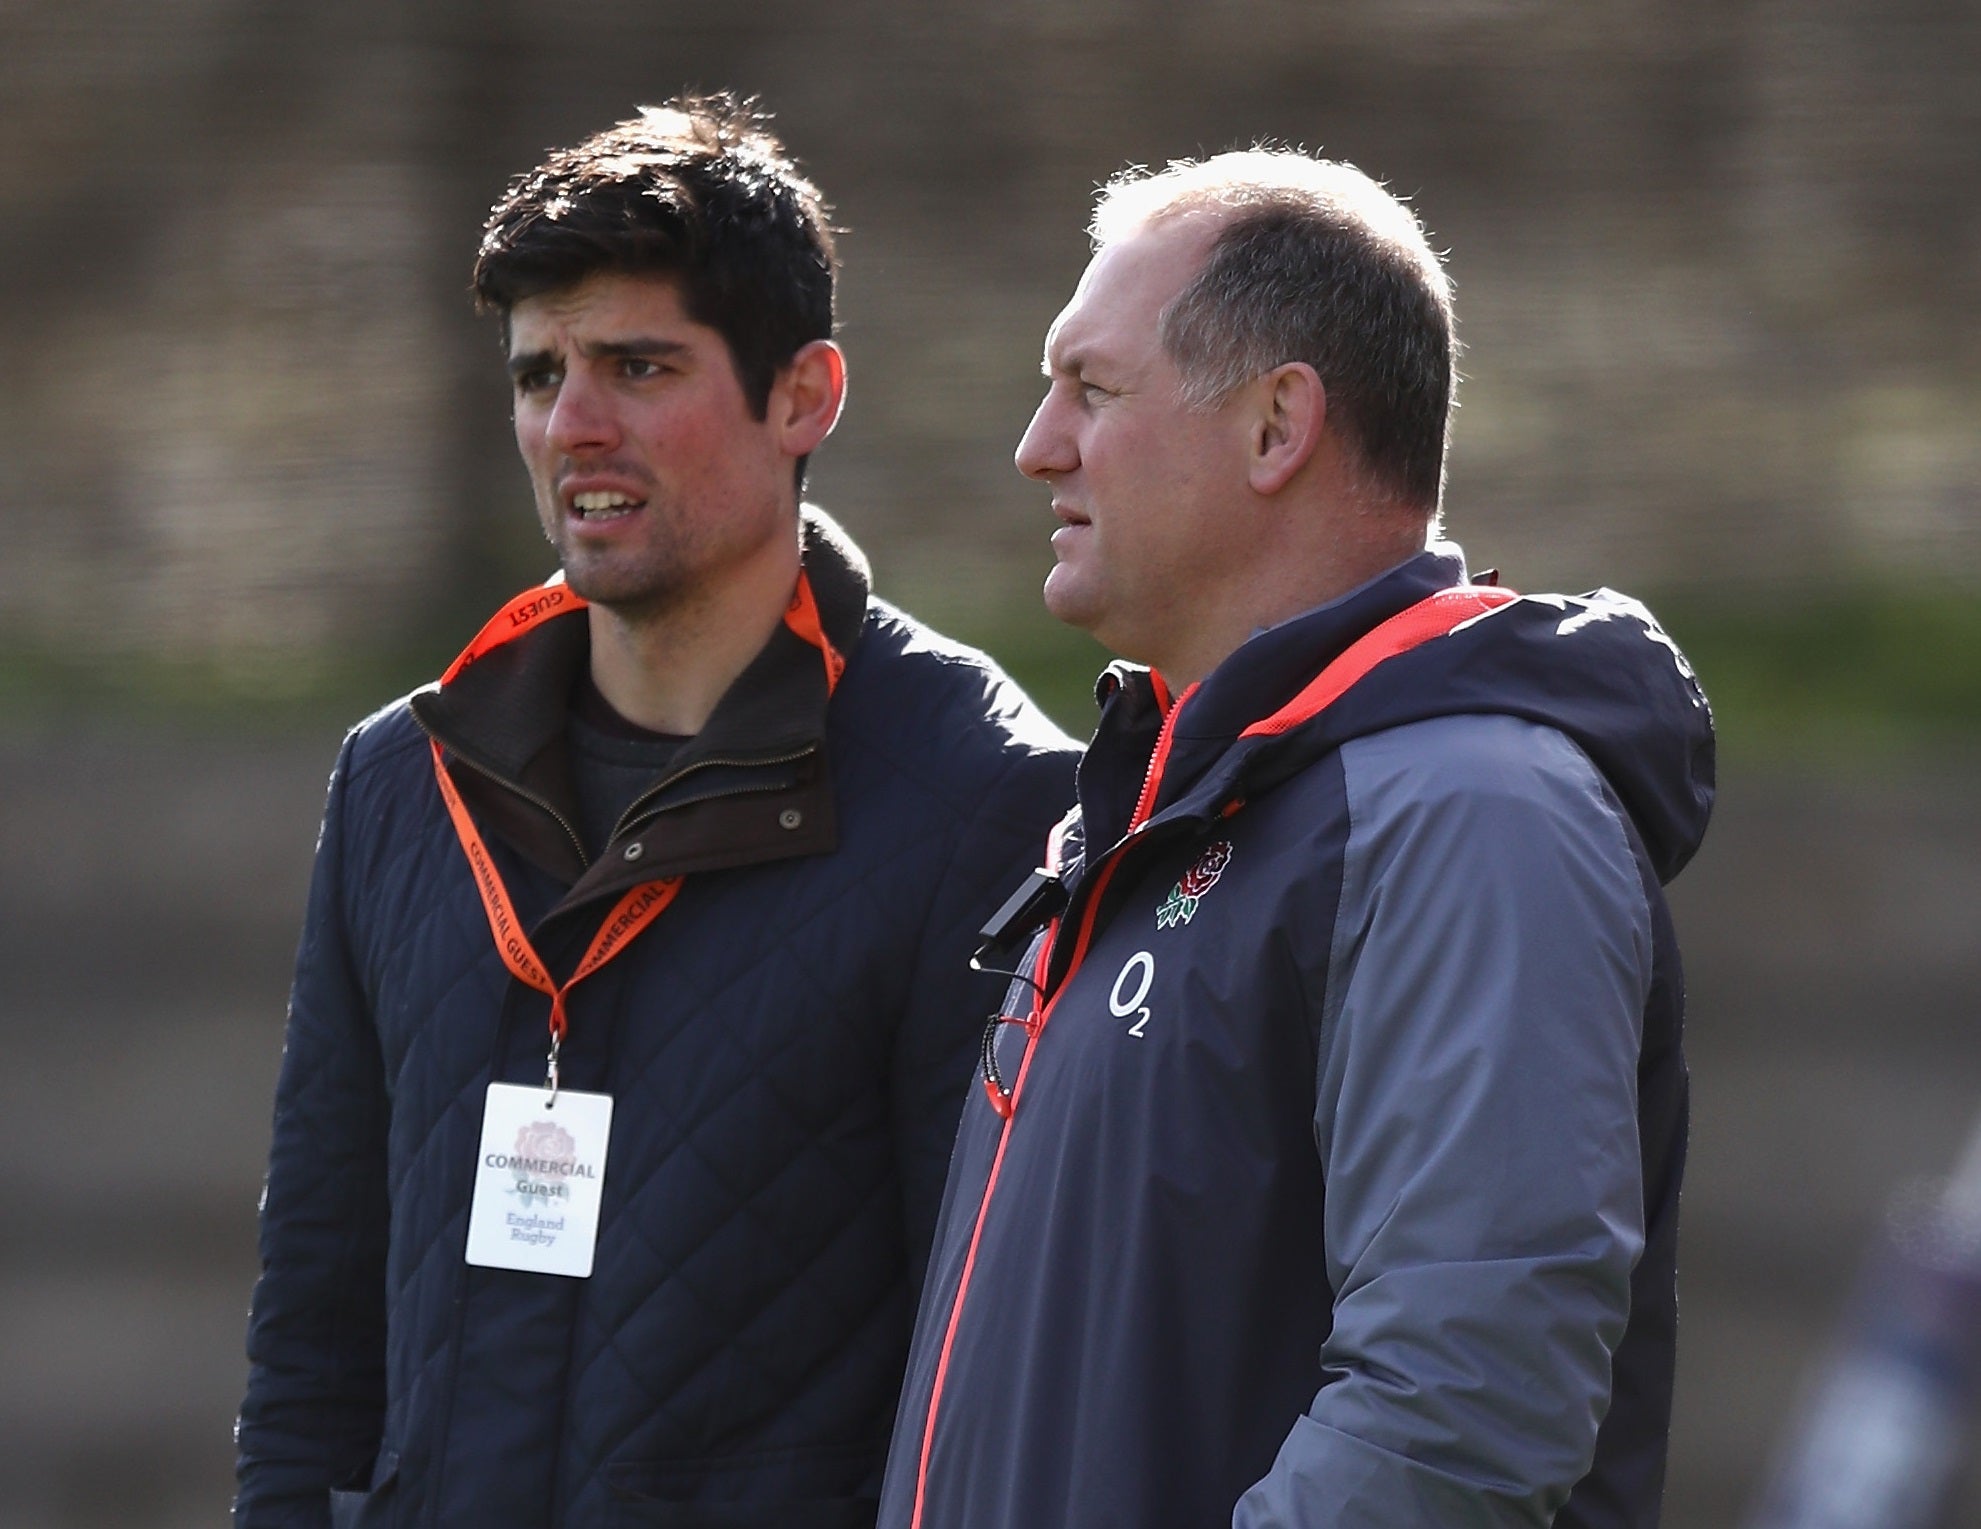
<point x="1181" y="904"/>
<point x="545" y="1156"/>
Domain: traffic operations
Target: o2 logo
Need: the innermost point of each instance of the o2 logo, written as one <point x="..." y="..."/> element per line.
<point x="1131" y="986"/>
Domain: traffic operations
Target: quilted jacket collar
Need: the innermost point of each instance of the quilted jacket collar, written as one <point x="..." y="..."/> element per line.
<point x="751" y="786"/>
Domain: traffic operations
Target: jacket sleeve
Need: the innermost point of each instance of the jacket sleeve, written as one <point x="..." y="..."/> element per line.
<point x="316" y="1337"/>
<point x="948" y="1003"/>
<point x="1476" y="1116"/>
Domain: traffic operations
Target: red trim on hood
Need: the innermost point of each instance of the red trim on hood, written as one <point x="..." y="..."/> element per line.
<point x="1433" y="616"/>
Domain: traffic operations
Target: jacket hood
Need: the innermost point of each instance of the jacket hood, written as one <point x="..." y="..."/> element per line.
<point x="1596" y="666"/>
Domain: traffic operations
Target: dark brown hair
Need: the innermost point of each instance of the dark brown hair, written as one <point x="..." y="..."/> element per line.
<point x="697" y="189"/>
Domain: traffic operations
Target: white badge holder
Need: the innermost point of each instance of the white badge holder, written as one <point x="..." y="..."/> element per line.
<point x="538" y="1179"/>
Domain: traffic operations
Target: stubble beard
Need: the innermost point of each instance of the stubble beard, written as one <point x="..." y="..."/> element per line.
<point x="637" y="584"/>
<point x="638" y="601"/>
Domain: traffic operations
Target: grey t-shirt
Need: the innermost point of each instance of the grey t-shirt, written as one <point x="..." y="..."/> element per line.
<point x="613" y="763"/>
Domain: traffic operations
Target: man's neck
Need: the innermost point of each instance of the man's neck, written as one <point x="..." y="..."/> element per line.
<point x="1286" y="583"/>
<point x="665" y="671"/>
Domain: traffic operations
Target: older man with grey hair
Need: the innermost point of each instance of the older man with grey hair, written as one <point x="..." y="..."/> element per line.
<point x="1327" y="1162"/>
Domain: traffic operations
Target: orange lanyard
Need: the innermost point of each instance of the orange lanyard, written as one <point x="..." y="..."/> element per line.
<point x="639" y="907"/>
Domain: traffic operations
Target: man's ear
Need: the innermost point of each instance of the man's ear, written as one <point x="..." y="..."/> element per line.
<point x="1290" y="411"/>
<point x="807" y="396"/>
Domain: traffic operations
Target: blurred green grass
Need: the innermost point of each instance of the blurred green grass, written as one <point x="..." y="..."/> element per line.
<point x="1843" y="673"/>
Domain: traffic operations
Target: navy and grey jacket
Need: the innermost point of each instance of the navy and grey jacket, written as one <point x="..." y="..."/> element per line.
<point x="785" y="1046"/>
<point x="1340" y="1181"/>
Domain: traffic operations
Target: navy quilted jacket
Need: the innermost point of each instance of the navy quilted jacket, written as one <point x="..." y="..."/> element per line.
<point x="787" y="1047"/>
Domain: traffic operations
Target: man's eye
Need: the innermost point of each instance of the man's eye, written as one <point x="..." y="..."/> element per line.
<point x="635" y="367"/>
<point x="1093" y="392"/>
<point x="536" y="381"/>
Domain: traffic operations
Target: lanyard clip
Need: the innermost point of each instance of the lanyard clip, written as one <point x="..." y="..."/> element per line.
<point x="550" y="1072"/>
<point x="1039" y="900"/>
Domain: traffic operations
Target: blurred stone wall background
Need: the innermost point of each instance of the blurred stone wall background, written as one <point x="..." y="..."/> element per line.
<point x="1719" y="266"/>
<point x="1719" y="274"/>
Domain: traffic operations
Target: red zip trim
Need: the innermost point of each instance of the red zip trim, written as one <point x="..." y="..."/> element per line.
<point x="1144" y="806"/>
<point x="1084" y="934"/>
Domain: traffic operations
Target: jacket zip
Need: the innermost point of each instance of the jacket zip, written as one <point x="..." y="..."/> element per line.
<point x="1089" y="911"/>
<point x="634" y="813"/>
<point x="626" y="819"/>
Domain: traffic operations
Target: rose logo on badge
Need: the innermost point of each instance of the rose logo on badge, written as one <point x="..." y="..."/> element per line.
<point x="1181" y="904"/>
<point x="544" y="1158"/>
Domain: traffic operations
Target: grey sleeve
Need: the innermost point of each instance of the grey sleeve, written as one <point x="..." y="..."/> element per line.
<point x="1476" y="1116"/>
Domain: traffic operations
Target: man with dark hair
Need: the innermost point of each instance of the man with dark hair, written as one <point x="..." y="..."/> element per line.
<point x="699" y="189"/>
<point x="1326" y="1172"/>
<point x="634" y="1005"/>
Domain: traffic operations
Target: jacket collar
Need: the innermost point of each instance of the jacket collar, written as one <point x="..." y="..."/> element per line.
<point x="1265" y="672"/>
<point x="502" y="722"/>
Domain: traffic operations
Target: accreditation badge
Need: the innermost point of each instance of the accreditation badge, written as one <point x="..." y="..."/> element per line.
<point x="538" y="1180"/>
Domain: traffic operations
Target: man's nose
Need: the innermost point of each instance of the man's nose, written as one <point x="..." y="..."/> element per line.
<point x="581" y="419"/>
<point x="1046" y="447"/>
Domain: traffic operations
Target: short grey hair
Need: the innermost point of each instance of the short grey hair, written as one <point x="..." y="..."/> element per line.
<point x="1313" y="261"/>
